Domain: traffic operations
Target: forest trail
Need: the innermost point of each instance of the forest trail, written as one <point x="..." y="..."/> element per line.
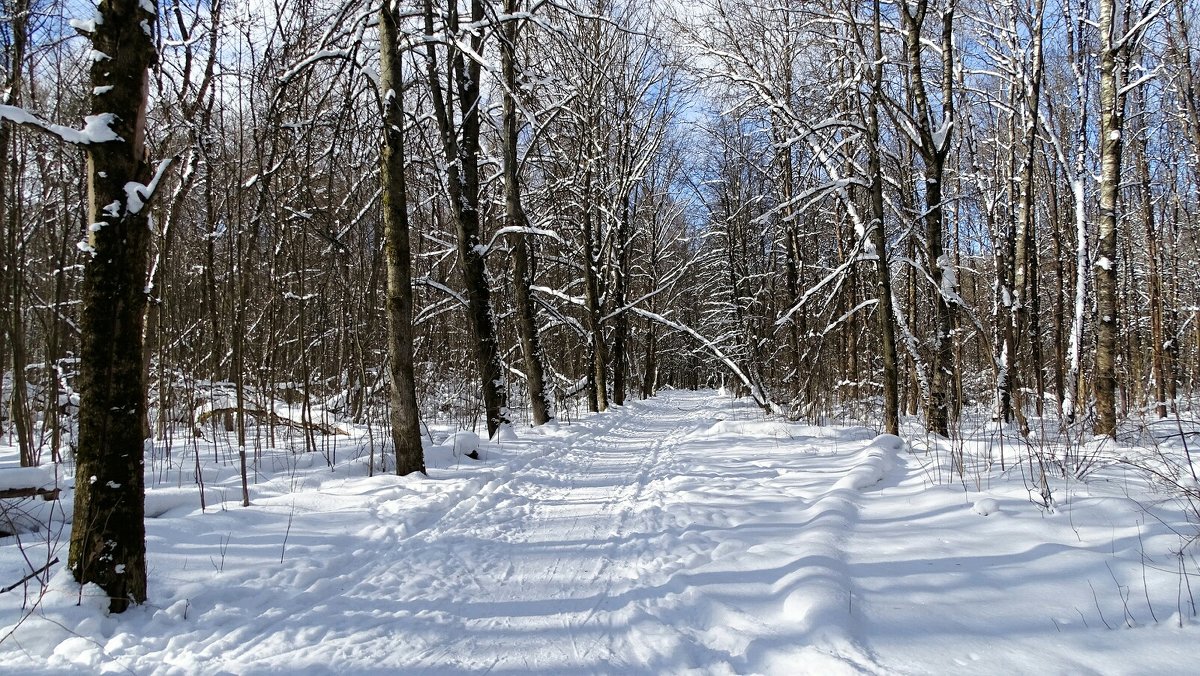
<point x="687" y="534"/>
<point x="670" y="535"/>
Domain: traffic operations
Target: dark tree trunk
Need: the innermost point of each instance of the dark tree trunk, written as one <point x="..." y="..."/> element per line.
<point x="10" y="227"/>
<point x="884" y="313"/>
<point x="598" y="374"/>
<point x="531" y="346"/>
<point x="461" y="146"/>
<point x="934" y="148"/>
<point x="620" y="358"/>
<point x="403" y="413"/>
<point x="1160" y="373"/>
<point x="108" y="537"/>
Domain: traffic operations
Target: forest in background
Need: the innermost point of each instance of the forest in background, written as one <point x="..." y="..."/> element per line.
<point x="709" y="166"/>
<point x="517" y="209"/>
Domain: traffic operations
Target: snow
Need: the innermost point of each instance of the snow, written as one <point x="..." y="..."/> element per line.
<point x="986" y="506"/>
<point x="456" y="449"/>
<point x="135" y="196"/>
<point x="26" y="477"/>
<point x="684" y="534"/>
<point x="87" y="25"/>
<point x="941" y="134"/>
<point x="96" y="128"/>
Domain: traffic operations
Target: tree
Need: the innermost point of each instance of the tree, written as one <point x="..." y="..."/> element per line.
<point x="531" y="344"/>
<point x="405" y="418"/>
<point x="932" y="138"/>
<point x="10" y="228"/>
<point x="1115" y="53"/>
<point x="108" y="536"/>
<point x="885" y="313"/>
<point x="457" y="115"/>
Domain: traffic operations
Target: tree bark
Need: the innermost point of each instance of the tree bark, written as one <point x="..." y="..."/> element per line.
<point x="10" y="227"/>
<point x="461" y="147"/>
<point x="1073" y="390"/>
<point x="620" y="282"/>
<point x="108" y="537"/>
<point x="531" y="345"/>
<point x="598" y="374"/>
<point x="934" y="147"/>
<point x="884" y="313"/>
<point x="1112" y="105"/>
<point x="1160" y="372"/>
<point x="403" y="413"/>
<point x="1024" y="306"/>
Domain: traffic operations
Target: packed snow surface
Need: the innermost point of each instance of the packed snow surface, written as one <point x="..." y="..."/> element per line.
<point x="685" y="534"/>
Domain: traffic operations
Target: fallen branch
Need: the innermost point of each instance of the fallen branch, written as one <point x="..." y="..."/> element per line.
<point x="268" y="415"/>
<point x="29" y="577"/>
<point x="28" y="492"/>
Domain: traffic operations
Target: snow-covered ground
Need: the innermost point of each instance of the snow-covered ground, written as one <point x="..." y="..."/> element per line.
<point x="685" y="534"/>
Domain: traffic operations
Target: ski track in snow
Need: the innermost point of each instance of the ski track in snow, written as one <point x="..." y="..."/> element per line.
<point x="686" y="534"/>
<point x="643" y="540"/>
<point x="623" y="548"/>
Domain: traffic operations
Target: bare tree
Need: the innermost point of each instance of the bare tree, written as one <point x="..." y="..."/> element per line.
<point x="457" y="113"/>
<point x="531" y="344"/>
<point x="405" y="418"/>
<point x="108" y="537"/>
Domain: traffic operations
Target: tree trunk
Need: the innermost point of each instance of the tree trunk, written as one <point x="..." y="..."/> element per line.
<point x="1073" y="390"/>
<point x="885" y="313"/>
<point x="403" y="413"/>
<point x="1159" y="373"/>
<point x="1112" y="105"/>
<point x="461" y="147"/>
<point x="1024" y="314"/>
<point x="598" y="375"/>
<point x="531" y="345"/>
<point x="620" y="282"/>
<point x="108" y="537"/>
<point x="12" y="277"/>
<point x="650" y="369"/>
<point x="934" y="148"/>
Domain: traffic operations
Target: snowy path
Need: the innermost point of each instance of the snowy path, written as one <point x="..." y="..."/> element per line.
<point x="686" y="534"/>
<point x="644" y="541"/>
<point x="673" y="535"/>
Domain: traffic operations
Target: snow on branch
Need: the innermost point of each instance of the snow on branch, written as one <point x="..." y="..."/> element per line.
<point x="512" y="229"/>
<point x="433" y="284"/>
<point x="96" y="128"/>
<point x="807" y="295"/>
<point x="137" y="194"/>
<point x="755" y="390"/>
<point x="575" y="300"/>
<point x="870" y="302"/>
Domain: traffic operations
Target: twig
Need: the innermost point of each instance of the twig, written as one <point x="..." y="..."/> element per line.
<point x="286" y="533"/>
<point x="1096" y="599"/>
<point x="29" y="577"/>
<point x="1145" y="586"/>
